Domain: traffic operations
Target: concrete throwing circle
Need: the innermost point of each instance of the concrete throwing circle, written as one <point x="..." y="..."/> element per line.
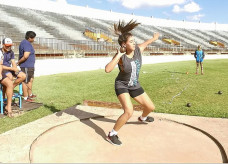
<point x="160" y="141"/>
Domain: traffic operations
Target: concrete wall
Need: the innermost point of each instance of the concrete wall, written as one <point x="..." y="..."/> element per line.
<point x="56" y="66"/>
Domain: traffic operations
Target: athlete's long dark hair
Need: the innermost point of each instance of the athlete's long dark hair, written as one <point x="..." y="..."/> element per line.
<point x="123" y="30"/>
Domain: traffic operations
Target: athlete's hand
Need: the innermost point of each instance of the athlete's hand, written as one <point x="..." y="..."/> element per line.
<point x="0" y="76"/>
<point x="119" y="53"/>
<point x="156" y="36"/>
<point x="111" y="65"/>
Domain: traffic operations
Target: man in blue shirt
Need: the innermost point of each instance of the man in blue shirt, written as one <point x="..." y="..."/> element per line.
<point x="27" y="63"/>
<point x="199" y="55"/>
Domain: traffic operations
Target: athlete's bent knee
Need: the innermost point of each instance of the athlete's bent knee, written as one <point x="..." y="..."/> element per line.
<point x="128" y="114"/>
<point x="151" y="108"/>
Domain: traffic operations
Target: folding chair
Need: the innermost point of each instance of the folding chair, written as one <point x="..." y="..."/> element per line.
<point x="19" y="95"/>
<point x="1" y="99"/>
<point x="15" y="95"/>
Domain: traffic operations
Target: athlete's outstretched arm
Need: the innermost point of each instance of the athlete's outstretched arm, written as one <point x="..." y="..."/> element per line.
<point x="111" y="65"/>
<point x="146" y="43"/>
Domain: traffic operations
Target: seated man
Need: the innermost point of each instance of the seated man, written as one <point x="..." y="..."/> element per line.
<point x="6" y="82"/>
<point x="8" y="60"/>
<point x="8" y="72"/>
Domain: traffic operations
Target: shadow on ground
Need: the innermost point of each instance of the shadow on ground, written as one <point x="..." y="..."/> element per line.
<point x="85" y="118"/>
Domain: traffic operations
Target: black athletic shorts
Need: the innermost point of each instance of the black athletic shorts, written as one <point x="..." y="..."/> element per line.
<point x="29" y="72"/>
<point x="133" y="93"/>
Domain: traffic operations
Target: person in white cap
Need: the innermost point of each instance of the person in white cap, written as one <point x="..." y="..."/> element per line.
<point x="10" y="68"/>
<point x="7" y="59"/>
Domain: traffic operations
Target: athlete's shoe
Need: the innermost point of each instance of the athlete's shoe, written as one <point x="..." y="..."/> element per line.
<point x="114" y="140"/>
<point x="32" y="97"/>
<point x="148" y="119"/>
<point x="29" y="100"/>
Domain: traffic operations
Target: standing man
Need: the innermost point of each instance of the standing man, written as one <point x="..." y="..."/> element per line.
<point x="199" y="55"/>
<point x="27" y="63"/>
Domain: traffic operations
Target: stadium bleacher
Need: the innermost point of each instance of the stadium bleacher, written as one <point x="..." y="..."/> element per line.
<point x="64" y="34"/>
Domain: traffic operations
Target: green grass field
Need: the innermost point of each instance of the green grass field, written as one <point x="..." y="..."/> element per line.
<point x="161" y="81"/>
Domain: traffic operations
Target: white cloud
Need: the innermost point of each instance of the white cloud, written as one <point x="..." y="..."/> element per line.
<point x="190" y="8"/>
<point x="196" y="17"/>
<point x="176" y="9"/>
<point x="133" y="4"/>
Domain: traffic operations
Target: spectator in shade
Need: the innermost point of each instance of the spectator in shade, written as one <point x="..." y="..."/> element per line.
<point x="7" y="73"/>
<point x="9" y="67"/>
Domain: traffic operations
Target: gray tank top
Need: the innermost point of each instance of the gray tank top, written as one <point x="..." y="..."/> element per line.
<point x="129" y="71"/>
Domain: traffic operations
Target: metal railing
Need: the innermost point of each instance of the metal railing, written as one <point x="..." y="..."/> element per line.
<point x="78" y="48"/>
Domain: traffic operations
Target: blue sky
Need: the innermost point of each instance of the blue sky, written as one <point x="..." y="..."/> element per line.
<point x="190" y="10"/>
